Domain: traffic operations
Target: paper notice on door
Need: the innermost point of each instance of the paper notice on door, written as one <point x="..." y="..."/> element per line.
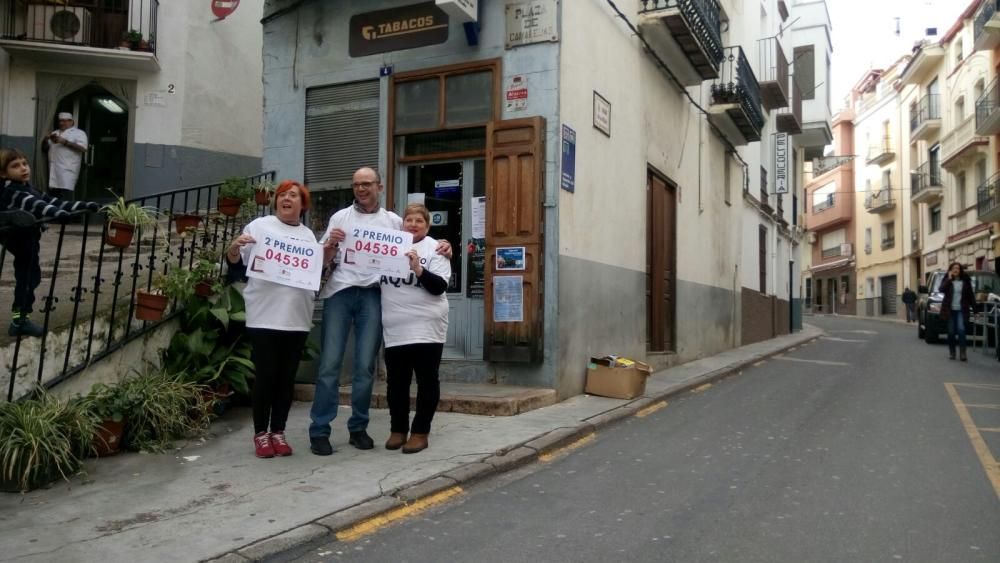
<point x="415" y="198"/>
<point x="508" y="299"/>
<point x="479" y="217"/>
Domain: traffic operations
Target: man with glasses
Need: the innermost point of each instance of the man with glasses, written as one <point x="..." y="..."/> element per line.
<point x="351" y="299"/>
<point x="66" y="147"/>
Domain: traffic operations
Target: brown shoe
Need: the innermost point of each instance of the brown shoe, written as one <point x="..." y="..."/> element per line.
<point x="395" y="441"/>
<point x="416" y="443"/>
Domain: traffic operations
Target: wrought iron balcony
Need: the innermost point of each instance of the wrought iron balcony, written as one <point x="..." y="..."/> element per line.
<point x="880" y="153"/>
<point x="736" y="108"/>
<point x="925" y="117"/>
<point x="687" y="34"/>
<point x="986" y="26"/>
<point x="988" y="200"/>
<point x="789" y="119"/>
<point x="988" y="110"/>
<point x="880" y="200"/>
<point x="773" y="67"/>
<point x="925" y="183"/>
<point x="961" y="147"/>
<point x="82" y="31"/>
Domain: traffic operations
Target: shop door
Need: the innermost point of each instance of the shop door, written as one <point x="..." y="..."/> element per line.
<point x="104" y="118"/>
<point x="455" y="194"/>
<point x="888" y="295"/>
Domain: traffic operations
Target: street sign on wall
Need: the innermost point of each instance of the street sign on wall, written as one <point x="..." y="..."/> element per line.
<point x="531" y="22"/>
<point x="781" y="163"/>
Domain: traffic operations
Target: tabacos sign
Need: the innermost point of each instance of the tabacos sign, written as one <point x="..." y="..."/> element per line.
<point x="396" y="29"/>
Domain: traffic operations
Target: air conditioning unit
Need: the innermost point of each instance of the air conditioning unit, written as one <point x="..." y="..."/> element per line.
<point x="811" y="237"/>
<point x="66" y="24"/>
<point x="845" y="249"/>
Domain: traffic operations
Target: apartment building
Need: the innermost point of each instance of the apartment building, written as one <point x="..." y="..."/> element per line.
<point x="829" y="281"/>
<point x="168" y="94"/>
<point x="986" y="44"/>
<point x="630" y="149"/>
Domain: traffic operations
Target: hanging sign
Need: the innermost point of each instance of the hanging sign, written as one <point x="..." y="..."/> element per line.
<point x="462" y="10"/>
<point x="396" y="29"/>
<point x="223" y="8"/>
<point x="781" y="163"/>
<point x="377" y="251"/>
<point x="286" y="260"/>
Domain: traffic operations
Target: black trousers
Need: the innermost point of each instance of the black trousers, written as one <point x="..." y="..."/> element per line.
<point x="276" y="355"/>
<point x="401" y="362"/>
<point x="24" y="245"/>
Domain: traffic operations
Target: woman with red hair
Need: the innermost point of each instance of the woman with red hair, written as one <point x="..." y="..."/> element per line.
<point x="279" y="318"/>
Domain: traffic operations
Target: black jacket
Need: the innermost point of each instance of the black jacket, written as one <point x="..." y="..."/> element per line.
<point x="968" y="298"/>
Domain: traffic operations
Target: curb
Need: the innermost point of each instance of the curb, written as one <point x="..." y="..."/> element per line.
<point x="502" y="461"/>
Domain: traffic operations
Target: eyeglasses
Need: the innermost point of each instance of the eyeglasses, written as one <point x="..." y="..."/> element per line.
<point x="366" y="185"/>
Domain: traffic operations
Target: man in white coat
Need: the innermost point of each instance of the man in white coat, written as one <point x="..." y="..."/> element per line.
<point x="66" y="148"/>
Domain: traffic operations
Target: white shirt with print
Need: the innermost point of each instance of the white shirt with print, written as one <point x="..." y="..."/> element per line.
<point x="410" y="314"/>
<point x="346" y="218"/>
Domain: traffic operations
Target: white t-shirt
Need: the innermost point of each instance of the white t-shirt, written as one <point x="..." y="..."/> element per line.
<point x="273" y="305"/>
<point x="343" y="278"/>
<point x="64" y="162"/>
<point x="410" y="314"/>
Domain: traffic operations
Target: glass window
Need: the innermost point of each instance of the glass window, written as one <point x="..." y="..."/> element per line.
<point x="417" y="104"/>
<point x="468" y="98"/>
<point x="935" y="218"/>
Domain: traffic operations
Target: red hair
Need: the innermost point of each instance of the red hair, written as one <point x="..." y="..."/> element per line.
<point x="286" y="185"/>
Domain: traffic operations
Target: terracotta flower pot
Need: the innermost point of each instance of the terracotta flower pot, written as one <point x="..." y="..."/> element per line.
<point x="108" y="439"/>
<point x="229" y="206"/>
<point x="185" y="221"/>
<point x="261" y="197"/>
<point x="150" y="306"/>
<point x="119" y="234"/>
<point x="204" y="288"/>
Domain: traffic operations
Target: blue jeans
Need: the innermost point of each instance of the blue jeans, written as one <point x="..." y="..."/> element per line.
<point x="360" y="307"/>
<point x="956" y="330"/>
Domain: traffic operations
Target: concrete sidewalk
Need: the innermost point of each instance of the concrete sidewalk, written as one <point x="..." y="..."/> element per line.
<point x="212" y="498"/>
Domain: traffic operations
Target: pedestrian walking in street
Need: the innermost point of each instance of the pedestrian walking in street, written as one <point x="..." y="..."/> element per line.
<point x="21" y="206"/>
<point x="910" y="300"/>
<point x="279" y="318"/>
<point x="414" y="327"/>
<point x="66" y="147"/>
<point x="351" y="300"/>
<point x="956" y="307"/>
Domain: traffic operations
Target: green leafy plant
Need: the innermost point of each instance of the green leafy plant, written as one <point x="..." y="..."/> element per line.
<point x="133" y="36"/>
<point x="237" y="188"/>
<point x="44" y="439"/>
<point x="130" y="213"/>
<point x="108" y="402"/>
<point x="266" y="186"/>
<point x="158" y="406"/>
<point x="178" y="283"/>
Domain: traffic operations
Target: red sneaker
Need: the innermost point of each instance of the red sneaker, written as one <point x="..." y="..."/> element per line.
<point x="262" y="445"/>
<point x="280" y="446"/>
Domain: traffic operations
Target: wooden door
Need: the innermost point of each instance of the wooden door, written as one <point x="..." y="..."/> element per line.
<point x="515" y="166"/>
<point x="661" y="264"/>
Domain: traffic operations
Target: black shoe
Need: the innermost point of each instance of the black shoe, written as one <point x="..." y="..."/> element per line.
<point x="320" y="446"/>
<point x="963" y="357"/>
<point x="361" y="440"/>
<point x="24" y="327"/>
<point x="16" y="218"/>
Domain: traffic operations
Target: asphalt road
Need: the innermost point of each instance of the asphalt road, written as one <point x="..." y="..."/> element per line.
<point x="866" y="445"/>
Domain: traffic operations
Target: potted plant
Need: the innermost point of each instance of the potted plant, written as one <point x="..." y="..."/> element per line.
<point x="133" y="38"/>
<point x="108" y="403"/>
<point x="124" y="218"/>
<point x="184" y="222"/>
<point x="263" y="192"/>
<point x="44" y="439"/>
<point x="206" y="270"/>
<point x="151" y="304"/>
<point x="233" y="192"/>
<point x="159" y="409"/>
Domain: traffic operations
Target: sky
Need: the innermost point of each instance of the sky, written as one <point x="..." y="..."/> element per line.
<point x="864" y="34"/>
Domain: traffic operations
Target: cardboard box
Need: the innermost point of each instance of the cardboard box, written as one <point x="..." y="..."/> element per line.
<point x="616" y="382"/>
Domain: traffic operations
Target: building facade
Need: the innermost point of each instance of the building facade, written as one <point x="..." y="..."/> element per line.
<point x="168" y="94"/>
<point x="630" y="169"/>
<point x="986" y="44"/>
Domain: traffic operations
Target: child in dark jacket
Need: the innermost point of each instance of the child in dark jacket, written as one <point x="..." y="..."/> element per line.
<point x="21" y="206"/>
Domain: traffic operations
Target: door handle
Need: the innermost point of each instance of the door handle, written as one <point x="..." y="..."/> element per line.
<point x="90" y="155"/>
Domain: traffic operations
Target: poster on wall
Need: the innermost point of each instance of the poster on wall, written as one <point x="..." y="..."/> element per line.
<point x="476" y="249"/>
<point x="516" y="93"/>
<point x="510" y="259"/>
<point x="508" y="299"/>
<point x="567" y="179"/>
<point x="479" y="217"/>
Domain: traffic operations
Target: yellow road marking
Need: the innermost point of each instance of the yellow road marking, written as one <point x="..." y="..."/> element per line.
<point x="701" y="388"/>
<point x="646" y="411"/>
<point x="547" y="457"/>
<point x="983" y="406"/>
<point x="990" y="429"/>
<point x="760" y="363"/>
<point x="372" y="525"/>
<point x="990" y="465"/>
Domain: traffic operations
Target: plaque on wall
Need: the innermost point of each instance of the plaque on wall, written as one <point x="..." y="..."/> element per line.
<point x="397" y="29"/>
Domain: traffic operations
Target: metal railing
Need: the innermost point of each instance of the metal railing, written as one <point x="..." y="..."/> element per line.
<point x="772" y="63"/>
<point x="925" y="176"/>
<point x="737" y="84"/>
<point x="831" y="252"/>
<point x="879" y="197"/>
<point x="888" y="242"/>
<point x="988" y="102"/>
<point x="702" y="17"/>
<point x="988" y="195"/>
<point x="986" y="11"/>
<point x="87" y="299"/>
<point x="877" y="150"/>
<point x="108" y="24"/>
<point x="928" y="108"/>
<point x="794" y="107"/>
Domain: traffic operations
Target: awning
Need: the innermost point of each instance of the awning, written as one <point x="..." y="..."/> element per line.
<point x="843" y="262"/>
